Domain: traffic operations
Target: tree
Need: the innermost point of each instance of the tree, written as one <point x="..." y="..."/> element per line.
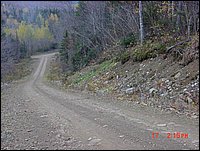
<point x="40" y="20"/>
<point x="141" y="23"/>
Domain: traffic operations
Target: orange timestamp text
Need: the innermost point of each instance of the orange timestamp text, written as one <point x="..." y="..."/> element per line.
<point x="171" y="135"/>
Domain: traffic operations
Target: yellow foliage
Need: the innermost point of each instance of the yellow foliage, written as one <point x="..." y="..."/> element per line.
<point x="42" y="33"/>
<point x="25" y="32"/>
<point x="46" y="23"/>
<point x="53" y="17"/>
<point x="7" y="30"/>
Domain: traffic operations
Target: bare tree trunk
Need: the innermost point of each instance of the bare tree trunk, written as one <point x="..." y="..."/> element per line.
<point x="178" y="16"/>
<point x="195" y="16"/>
<point x="188" y="18"/>
<point x="172" y="11"/>
<point x="169" y="7"/>
<point x="189" y="24"/>
<point x="113" y="25"/>
<point x="141" y="23"/>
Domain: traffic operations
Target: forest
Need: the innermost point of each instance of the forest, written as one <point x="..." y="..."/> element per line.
<point x="83" y="30"/>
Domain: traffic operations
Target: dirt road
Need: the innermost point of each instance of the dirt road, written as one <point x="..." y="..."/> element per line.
<point x="37" y="116"/>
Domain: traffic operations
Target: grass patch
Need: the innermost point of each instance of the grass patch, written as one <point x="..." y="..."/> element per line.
<point x="80" y="78"/>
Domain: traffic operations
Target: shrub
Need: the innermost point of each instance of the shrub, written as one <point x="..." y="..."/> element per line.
<point x="148" y="50"/>
<point x="123" y="57"/>
<point x="128" y="40"/>
<point x="81" y="59"/>
<point x="159" y="47"/>
<point x="140" y="54"/>
<point x="54" y="45"/>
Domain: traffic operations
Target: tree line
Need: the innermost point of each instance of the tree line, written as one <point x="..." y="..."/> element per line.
<point x="83" y="29"/>
<point x="92" y="26"/>
<point x="26" y="30"/>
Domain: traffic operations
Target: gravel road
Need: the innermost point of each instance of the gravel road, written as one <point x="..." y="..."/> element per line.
<point x="37" y="116"/>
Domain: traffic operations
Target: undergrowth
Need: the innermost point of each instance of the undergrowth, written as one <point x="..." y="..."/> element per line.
<point x="140" y="53"/>
<point x="78" y="78"/>
<point x="19" y="71"/>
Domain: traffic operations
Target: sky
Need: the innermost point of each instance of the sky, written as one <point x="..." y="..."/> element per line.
<point x="41" y="4"/>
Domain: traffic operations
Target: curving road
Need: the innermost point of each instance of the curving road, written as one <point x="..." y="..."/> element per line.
<point x="37" y="116"/>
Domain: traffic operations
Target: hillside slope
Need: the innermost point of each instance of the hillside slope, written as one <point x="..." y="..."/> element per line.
<point x="164" y="80"/>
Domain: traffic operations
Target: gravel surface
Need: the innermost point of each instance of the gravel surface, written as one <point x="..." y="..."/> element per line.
<point x="37" y="116"/>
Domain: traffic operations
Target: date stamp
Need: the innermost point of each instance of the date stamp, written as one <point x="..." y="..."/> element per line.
<point x="171" y="135"/>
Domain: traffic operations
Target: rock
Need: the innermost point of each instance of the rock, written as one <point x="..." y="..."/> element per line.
<point x="101" y="92"/>
<point x="164" y="94"/>
<point x="142" y="96"/>
<point x="189" y="100"/>
<point x="161" y="125"/>
<point x="105" y="125"/>
<point x="106" y="82"/>
<point x="194" y="116"/>
<point x="184" y="90"/>
<point x="171" y="123"/>
<point x="94" y="142"/>
<point x="195" y="141"/>
<point x="121" y="136"/>
<point x="163" y="79"/>
<point x="167" y="81"/>
<point x="89" y="139"/>
<point x="44" y="116"/>
<point x="142" y="103"/>
<point x="152" y="89"/>
<point x="177" y="75"/>
<point x="129" y="91"/>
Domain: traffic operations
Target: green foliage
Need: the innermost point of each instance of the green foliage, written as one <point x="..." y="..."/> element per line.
<point x="82" y="57"/>
<point x="148" y="50"/>
<point x="80" y="8"/>
<point x="54" y="45"/>
<point x="123" y="57"/>
<point x="140" y="55"/>
<point x="128" y="40"/>
<point x="64" y="48"/>
<point x="159" y="47"/>
<point x="101" y="68"/>
<point x="22" y="50"/>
